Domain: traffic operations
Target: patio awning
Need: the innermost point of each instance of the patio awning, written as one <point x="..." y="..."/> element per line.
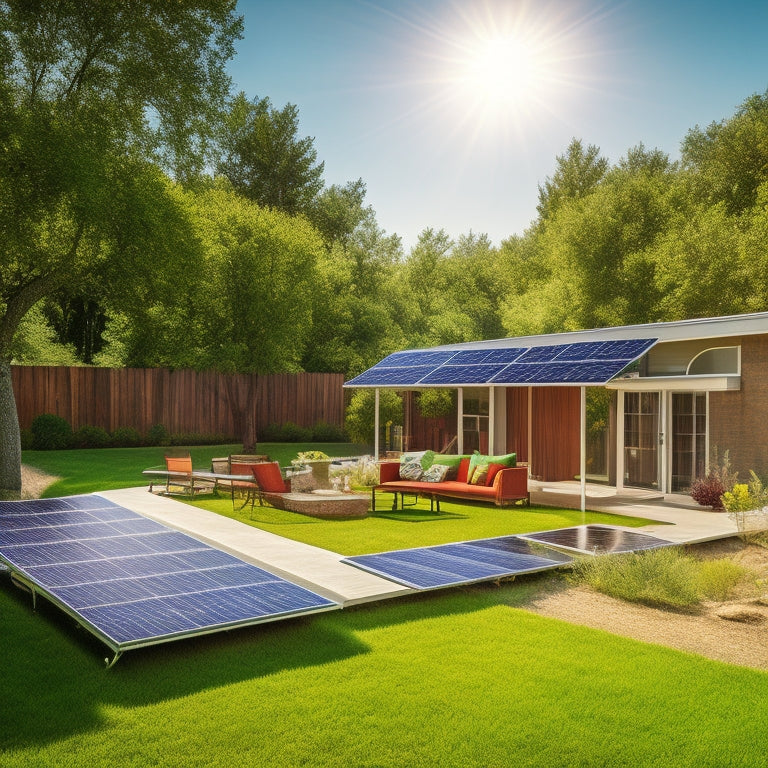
<point x="589" y="363"/>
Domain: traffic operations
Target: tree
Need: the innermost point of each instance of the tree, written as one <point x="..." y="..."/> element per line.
<point x="264" y="159"/>
<point x="730" y="158"/>
<point x="90" y="92"/>
<point x="338" y="211"/>
<point x="578" y="172"/>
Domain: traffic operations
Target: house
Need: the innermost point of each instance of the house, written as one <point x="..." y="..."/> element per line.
<point x="634" y="406"/>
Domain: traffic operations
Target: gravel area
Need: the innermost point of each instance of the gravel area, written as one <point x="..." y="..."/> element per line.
<point x="735" y="632"/>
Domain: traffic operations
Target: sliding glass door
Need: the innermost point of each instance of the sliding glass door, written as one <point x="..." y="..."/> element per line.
<point x="641" y="439"/>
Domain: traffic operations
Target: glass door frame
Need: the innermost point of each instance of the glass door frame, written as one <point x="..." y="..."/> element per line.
<point x="665" y="436"/>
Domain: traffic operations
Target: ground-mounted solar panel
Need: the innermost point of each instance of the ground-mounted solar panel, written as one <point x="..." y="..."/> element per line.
<point x="133" y="582"/>
<point x="448" y="565"/>
<point x="597" y="539"/>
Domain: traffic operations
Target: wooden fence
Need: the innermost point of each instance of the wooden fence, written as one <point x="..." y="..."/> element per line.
<point x="183" y="401"/>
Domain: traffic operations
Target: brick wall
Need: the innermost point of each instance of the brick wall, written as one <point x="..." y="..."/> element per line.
<point x="738" y="421"/>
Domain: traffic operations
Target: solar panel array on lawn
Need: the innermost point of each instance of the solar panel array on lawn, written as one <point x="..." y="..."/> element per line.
<point x="597" y="539"/>
<point x="448" y="565"/>
<point x="133" y="582"/>
<point x="582" y="363"/>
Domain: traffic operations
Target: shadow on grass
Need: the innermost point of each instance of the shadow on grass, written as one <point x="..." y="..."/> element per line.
<point x="55" y="683"/>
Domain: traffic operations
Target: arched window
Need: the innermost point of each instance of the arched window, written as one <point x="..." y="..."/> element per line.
<point x="720" y="361"/>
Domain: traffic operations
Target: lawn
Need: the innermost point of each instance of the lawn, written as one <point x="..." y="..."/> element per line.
<point x="89" y="470"/>
<point x="458" y="678"/>
<point x="461" y="677"/>
<point x="414" y="527"/>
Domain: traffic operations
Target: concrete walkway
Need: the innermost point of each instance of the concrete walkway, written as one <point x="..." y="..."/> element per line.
<point x="324" y="573"/>
<point x="680" y="519"/>
<point x="316" y="569"/>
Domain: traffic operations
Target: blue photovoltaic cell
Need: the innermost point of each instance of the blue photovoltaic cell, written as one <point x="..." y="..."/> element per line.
<point x="448" y="565"/>
<point x="415" y="358"/>
<point x="597" y="539"/>
<point x="462" y="374"/>
<point x="392" y="376"/>
<point x="475" y="357"/>
<point x="134" y="582"/>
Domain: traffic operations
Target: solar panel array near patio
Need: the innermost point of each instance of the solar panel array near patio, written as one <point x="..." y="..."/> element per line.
<point x="133" y="582"/>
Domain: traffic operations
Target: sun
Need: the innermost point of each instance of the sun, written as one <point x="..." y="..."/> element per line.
<point x="505" y="70"/>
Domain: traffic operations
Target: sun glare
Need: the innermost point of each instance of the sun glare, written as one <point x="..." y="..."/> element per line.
<point x="504" y="69"/>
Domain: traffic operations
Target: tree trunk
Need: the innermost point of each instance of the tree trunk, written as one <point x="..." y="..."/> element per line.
<point x="10" y="439"/>
<point x="239" y="390"/>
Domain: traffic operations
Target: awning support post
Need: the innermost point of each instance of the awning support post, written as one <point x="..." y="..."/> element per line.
<point x="376" y="425"/>
<point x="583" y="448"/>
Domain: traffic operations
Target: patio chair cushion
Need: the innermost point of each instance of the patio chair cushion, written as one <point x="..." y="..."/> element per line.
<point x="178" y="463"/>
<point x="461" y="474"/>
<point x="268" y="476"/>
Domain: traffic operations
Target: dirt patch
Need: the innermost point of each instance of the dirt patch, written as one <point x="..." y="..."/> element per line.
<point x="735" y="631"/>
<point x="34" y="482"/>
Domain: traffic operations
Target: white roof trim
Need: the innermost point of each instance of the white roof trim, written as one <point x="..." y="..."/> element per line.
<point x="681" y="330"/>
<point x="702" y="383"/>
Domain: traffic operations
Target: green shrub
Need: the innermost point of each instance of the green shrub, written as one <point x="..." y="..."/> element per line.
<point x="88" y="436"/>
<point x="272" y="433"/>
<point x="201" y="438"/>
<point x="436" y="403"/>
<point x="718" y="578"/>
<point x="158" y="435"/>
<point x="361" y="411"/>
<point x="293" y="433"/>
<point x="50" y="432"/>
<point x="27" y="439"/>
<point x="126" y="437"/>
<point x="660" y="577"/>
<point x="323" y="432"/>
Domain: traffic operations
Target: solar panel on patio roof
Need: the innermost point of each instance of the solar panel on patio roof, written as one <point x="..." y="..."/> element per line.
<point x="580" y="363"/>
<point x="448" y="565"/>
<point x="462" y="374"/>
<point x="597" y="539"/>
<point x="133" y="582"/>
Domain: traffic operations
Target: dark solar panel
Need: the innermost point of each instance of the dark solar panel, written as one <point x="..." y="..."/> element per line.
<point x="463" y="374"/>
<point x="392" y="376"/>
<point x="579" y="363"/>
<point x="597" y="539"/>
<point x="134" y="582"/>
<point x="448" y="565"/>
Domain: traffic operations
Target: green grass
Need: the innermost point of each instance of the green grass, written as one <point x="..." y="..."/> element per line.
<point x="414" y="527"/>
<point x="455" y="678"/>
<point x="89" y="470"/>
<point x="458" y="678"/>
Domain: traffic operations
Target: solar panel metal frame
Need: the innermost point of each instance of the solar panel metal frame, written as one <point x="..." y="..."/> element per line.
<point x="24" y="577"/>
<point x="549" y="539"/>
<point x="369" y="563"/>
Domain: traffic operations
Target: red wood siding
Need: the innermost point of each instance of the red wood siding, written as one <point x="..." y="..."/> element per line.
<point x="183" y="401"/>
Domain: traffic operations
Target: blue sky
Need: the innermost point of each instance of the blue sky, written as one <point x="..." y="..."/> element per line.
<point x="452" y="112"/>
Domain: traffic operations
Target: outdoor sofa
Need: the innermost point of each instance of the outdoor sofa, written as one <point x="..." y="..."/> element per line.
<point x="478" y="477"/>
